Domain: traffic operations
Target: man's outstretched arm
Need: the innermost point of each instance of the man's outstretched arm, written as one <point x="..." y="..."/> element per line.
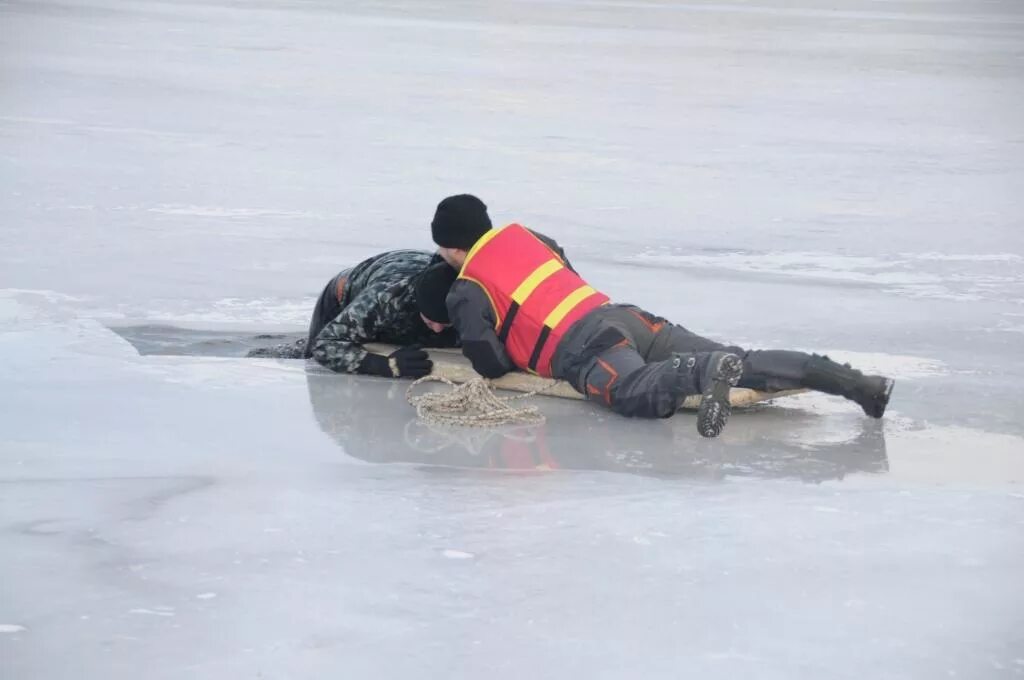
<point x="473" y="317"/>
<point x="339" y="345"/>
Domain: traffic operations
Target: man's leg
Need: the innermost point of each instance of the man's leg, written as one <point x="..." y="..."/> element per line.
<point x="621" y="380"/>
<point x="768" y="370"/>
<point x="772" y="370"/>
<point x="603" y="357"/>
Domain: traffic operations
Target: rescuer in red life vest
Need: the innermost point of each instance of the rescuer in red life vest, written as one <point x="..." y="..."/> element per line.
<point x="518" y="303"/>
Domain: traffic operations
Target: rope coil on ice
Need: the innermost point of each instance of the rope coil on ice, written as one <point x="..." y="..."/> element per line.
<point x="473" y="404"/>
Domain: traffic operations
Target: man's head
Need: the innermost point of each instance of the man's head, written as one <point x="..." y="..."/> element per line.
<point x="459" y="222"/>
<point x="431" y="290"/>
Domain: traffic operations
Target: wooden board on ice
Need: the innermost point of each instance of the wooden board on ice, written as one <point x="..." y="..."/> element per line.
<point x="450" y="364"/>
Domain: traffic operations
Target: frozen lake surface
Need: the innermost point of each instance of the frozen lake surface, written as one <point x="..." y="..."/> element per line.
<point x="779" y="174"/>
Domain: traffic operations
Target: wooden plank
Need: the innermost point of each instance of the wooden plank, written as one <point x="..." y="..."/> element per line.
<point x="450" y="364"/>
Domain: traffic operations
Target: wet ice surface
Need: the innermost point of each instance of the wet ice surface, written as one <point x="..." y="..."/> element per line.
<point x="774" y="174"/>
<point x="217" y="517"/>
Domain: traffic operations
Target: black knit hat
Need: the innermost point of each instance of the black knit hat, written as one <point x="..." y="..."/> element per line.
<point x="460" y="221"/>
<point x="432" y="287"/>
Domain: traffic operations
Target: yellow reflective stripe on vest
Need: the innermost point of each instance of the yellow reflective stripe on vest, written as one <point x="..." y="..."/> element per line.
<point x="567" y="305"/>
<point x="530" y="283"/>
<point x="480" y="243"/>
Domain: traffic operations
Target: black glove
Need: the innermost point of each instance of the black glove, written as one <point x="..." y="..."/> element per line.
<point x="407" y="362"/>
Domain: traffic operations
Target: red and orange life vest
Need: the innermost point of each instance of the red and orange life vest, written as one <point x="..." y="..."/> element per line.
<point x="535" y="297"/>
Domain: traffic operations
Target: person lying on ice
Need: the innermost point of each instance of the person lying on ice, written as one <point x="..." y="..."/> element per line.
<point x="386" y="299"/>
<point x="516" y="305"/>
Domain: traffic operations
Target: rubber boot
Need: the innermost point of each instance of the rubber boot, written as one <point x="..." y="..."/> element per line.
<point x="713" y="374"/>
<point x="872" y="392"/>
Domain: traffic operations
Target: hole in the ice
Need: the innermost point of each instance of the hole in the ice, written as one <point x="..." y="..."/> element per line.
<point x="173" y="340"/>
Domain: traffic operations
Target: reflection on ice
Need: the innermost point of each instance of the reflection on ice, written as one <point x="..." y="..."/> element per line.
<point x="360" y="415"/>
<point x="812" y="436"/>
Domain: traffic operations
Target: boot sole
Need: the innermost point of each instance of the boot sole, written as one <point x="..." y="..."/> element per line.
<point x="715" y="408"/>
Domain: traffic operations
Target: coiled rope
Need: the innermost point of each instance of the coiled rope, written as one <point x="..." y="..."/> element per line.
<point x="473" y="404"/>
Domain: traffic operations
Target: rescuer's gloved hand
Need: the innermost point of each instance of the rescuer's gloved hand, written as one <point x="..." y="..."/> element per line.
<point x="406" y="362"/>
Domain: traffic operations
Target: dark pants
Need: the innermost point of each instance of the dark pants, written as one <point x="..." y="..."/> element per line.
<point x="327" y="308"/>
<point x="641" y="365"/>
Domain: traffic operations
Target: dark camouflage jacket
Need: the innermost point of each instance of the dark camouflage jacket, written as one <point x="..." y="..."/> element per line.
<point x="378" y="305"/>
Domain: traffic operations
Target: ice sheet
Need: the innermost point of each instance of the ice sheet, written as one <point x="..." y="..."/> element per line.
<point x="788" y="174"/>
